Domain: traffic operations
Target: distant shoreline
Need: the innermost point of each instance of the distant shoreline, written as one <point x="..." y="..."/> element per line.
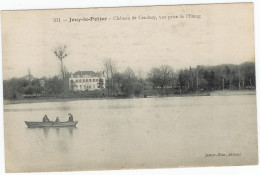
<point x="59" y="99"/>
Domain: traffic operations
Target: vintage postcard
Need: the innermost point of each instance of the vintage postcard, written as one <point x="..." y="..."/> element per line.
<point x="129" y="87"/>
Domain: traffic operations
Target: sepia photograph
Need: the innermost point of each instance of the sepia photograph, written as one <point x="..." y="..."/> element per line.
<point x="120" y="88"/>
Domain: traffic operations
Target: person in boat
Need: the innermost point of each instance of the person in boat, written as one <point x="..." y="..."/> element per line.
<point x="57" y="120"/>
<point x="45" y="119"/>
<point x="70" y="117"/>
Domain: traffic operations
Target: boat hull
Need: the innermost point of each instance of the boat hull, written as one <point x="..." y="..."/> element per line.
<point x="51" y="124"/>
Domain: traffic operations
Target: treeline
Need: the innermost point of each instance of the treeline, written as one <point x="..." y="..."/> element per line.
<point x="161" y="80"/>
<point x="229" y="76"/>
<point x="15" y="87"/>
<point x="22" y="87"/>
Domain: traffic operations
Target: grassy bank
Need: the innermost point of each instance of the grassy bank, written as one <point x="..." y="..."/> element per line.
<point x="52" y="99"/>
<point x="232" y="92"/>
<point x="59" y="99"/>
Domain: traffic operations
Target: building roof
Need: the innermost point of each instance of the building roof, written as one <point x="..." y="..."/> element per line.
<point x="88" y="73"/>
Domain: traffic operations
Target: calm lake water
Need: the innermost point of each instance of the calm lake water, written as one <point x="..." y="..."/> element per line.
<point x="132" y="133"/>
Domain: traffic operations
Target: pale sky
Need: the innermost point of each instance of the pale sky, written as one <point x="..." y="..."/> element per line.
<point x="223" y="35"/>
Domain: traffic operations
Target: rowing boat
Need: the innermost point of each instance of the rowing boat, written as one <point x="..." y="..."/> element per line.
<point x="50" y="124"/>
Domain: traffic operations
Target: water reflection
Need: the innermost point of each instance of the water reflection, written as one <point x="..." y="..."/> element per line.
<point x="58" y="139"/>
<point x="71" y="130"/>
<point x="45" y="132"/>
<point x="59" y="131"/>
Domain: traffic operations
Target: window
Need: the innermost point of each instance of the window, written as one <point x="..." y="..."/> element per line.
<point x="79" y="80"/>
<point x="83" y="80"/>
<point x="76" y="81"/>
<point x="93" y="80"/>
<point x="86" y="80"/>
<point x="80" y="86"/>
<point x="89" y="80"/>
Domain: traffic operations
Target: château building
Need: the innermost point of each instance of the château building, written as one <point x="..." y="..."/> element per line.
<point x="87" y="80"/>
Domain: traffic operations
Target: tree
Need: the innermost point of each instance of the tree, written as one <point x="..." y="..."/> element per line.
<point x="101" y="83"/>
<point x="61" y="52"/>
<point x="184" y="79"/>
<point x="161" y="77"/>
<point x="208" y="78"/>
<point x="110" y="69"/>
<point x="139" y="87"/>
<point x="225" y="71"/>
<point x="14" y="87"/>
<point x="118" y="79"/>
<point x="129" y="80"/>
<point x="212" y="80"/>
<point x="29" y="76"/>
<point x="192" y="77"/>
<point x="247" y="70"/>
<point x="241" y="78"/>
<point x="54" y="86"/>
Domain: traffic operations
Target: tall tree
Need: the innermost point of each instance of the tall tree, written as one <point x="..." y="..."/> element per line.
<point x="29" y="76"/>
<point x="61" y="52"/>
<point x="110" y="69"/>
